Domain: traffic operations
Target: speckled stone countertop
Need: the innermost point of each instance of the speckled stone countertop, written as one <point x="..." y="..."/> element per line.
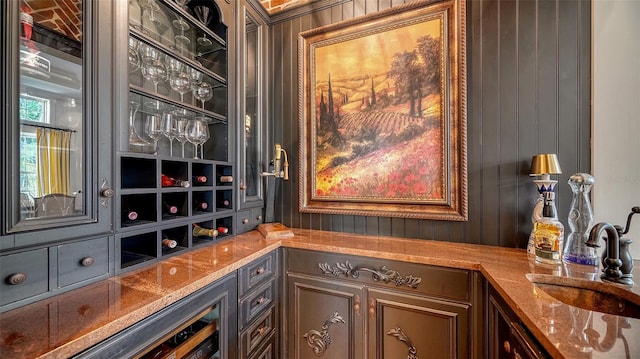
<point x="68" y="323"/>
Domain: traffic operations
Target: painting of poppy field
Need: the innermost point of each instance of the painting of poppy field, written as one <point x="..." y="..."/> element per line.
<point x="378" y="126"/>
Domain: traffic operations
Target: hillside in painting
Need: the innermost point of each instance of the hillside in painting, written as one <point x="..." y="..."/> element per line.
<point x="379" y="135"/>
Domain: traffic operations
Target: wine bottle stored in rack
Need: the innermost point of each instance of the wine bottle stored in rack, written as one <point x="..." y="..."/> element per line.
<point x="168" y="181"/>
<point x="204" y="232"/>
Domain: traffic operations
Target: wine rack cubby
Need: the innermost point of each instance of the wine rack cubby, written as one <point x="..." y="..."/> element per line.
<point x="169" y="212"/>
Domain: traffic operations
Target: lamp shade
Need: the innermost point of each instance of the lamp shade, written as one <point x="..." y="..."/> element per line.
<point x="546" y="163"/>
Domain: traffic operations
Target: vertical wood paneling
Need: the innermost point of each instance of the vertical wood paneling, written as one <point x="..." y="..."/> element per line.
<point x="474" y="117"/>
<point x="525" y="61"/>
<point x="528" y="80"/>
<point x="490" y="120"/>
<point x="508" y="165"/>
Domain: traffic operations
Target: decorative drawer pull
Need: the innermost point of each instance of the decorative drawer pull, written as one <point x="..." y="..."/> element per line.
<point x="87" y="261"/>
<point x="17" y="278"/>
<point x="259" y="331"/>
<point x="319" y="341"/>
<point x="356" y="304"/>
<point x="245" y="220"/>
<point x="260" y="270"/>
<point x="401" y="336"/>
<point x="260" y="300"/>
<point x="383" y="274"/>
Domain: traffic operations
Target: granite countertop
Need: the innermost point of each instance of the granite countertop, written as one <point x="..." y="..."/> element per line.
<point x="68" y="323"/>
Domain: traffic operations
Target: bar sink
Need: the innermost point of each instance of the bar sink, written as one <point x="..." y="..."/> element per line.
<point x="589" y="294"/>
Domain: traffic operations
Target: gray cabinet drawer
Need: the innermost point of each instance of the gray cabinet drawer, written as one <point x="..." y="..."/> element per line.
<point x="257" y="272"/>
<point x="24" y="275"/>
<point x="248" y="219"/>
<point x="256" y="302"/>
<point x="82" y="260"/>
<point x="257" y="332"/>
<point x="268" y="350"/>
<point x="449" y="283"/>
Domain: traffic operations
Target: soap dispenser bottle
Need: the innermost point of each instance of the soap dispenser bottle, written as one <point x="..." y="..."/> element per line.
<point x="580" y="222"/>
<point x="548" y="233"/>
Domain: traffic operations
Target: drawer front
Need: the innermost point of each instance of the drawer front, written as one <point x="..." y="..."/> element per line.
<point x="449" y="283"/>
<point x="257" y="333"/>
<point x="248" y="220"/>
<point x="82" y="260"/>
<point x="257" y="272"/>
<point x="268" y="350"/>
<point x="256" y="302"/>
<point x="24" y="275"/>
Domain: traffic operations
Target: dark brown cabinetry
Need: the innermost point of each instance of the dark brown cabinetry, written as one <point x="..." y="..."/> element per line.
<point x="508" y="337"/>
<point x="342" y="306"/>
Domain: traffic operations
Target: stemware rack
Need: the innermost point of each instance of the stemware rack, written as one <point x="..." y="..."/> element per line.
<point x="139" y="241"/>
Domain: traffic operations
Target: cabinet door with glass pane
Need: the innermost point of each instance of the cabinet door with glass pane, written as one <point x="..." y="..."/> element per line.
<point x="251" y="107"/>
<point x="56" y="120"/>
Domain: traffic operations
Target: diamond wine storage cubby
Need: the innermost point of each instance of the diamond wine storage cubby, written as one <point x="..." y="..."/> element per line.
<point x="162" y="199"/>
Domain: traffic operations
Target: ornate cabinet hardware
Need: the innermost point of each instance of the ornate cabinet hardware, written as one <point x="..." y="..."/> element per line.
<point x="383" y="274"/>
<point x="372" y="308"/>
<point x="319" y="340"/>
<point x="401" y="336"/>
<point x="106" y="192"/>
<point x="356" y="304"/>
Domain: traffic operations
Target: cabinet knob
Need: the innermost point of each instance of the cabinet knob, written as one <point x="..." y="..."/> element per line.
<point x="260" y="270"/>
<point x="260" y="300"/>
<point x="242" y="186"/>
<point x="107" y="192"/>
<point x="87" y="261"/>
<point x="259" y="218"/>
<point x="245" y="220"/>
<point x="17" y="278"/>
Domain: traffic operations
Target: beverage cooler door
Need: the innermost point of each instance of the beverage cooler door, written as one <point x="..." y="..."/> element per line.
<point x="195" y="339"/>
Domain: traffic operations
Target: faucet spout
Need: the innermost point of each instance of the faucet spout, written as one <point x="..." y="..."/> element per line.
<point x="612" y="261"/>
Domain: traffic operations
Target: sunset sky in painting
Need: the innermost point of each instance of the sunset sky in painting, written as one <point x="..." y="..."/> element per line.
<point x="371" y="54"/>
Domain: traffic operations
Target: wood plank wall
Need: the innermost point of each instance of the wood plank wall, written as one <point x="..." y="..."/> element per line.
<point x="528" y="69"/>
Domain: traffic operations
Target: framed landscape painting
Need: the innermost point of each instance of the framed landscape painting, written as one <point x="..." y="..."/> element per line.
<point x="382" y="114"/>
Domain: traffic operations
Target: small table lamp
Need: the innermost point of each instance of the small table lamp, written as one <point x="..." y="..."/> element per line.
<point x="543" y="165"/>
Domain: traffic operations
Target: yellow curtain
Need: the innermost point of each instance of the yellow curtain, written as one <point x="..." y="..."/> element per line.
<point x="53" y="161"/>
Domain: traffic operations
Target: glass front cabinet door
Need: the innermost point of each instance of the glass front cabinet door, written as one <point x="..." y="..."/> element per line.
<point x="251" y="107"/>
<point x="55" y="147"/>
<point x="56" y="120"/>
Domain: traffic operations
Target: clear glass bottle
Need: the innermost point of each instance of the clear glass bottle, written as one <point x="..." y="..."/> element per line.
<point x="580" y="222"/>
<point x="548" y="233"/>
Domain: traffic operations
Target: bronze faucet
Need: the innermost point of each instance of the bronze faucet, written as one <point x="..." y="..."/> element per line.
<point x="617" y="262"/>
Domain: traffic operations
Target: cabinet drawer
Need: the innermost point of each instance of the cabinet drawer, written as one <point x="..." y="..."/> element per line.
<point x="24" y="275"/>
<point x="256" y="302"/>
<point x="257" y="272"/>
<point x="268" y="350"/>
<point x="257" y="332"/>
<point x="248" y="219"/>
<point x="449" y="283"/>
<point x="82" y="260"/>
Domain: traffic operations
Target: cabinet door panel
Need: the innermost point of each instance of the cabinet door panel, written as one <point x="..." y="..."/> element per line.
<point x="400" y="324"/>
<point x="325" y="318"/>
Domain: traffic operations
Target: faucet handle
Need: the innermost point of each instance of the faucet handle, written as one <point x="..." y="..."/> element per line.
<point x="622" y="231"/>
